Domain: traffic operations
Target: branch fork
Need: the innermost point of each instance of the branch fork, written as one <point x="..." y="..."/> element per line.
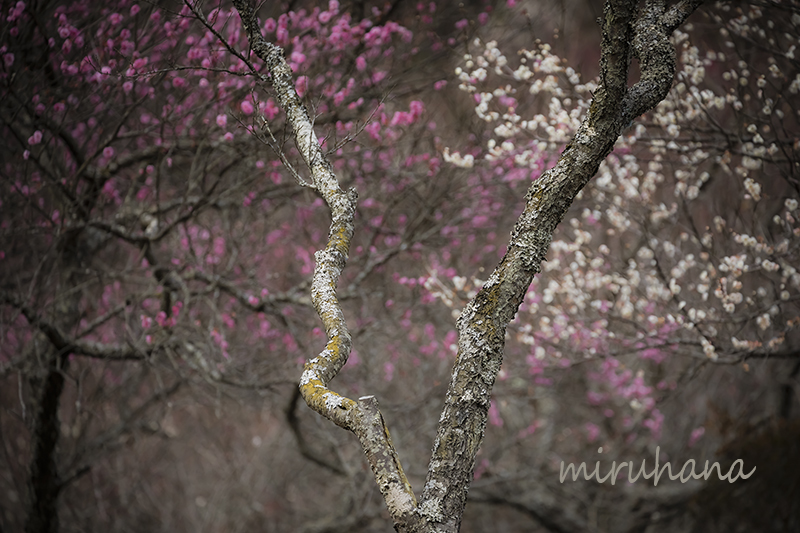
<point x="626" y="33"/>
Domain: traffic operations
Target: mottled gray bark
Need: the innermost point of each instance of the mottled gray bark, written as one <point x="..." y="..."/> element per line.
<point x="482" y="324"/>
<point x="628" y="31"/>
<point x="362" y="417"/>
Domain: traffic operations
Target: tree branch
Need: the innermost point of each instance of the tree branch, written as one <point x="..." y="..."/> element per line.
<point x="677" y="14"/>
<point x="656" y="56"/>
<point x="482" y="324"/>
<point x="363" y="417"/>
<point x="64" y="344"/>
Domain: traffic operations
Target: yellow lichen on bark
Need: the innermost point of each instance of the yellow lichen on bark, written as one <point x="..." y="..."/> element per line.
<point x="340" y="240"/>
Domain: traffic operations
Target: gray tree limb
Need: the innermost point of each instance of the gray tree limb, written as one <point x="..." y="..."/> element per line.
<point x="362" y="417"/>
<point x="482" y="324"/>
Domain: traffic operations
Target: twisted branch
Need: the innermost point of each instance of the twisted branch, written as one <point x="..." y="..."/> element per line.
<point x="362" y="417"/>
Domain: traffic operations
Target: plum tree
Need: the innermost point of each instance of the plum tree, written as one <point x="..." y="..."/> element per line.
<point x="165" y="260"/>
<point x="483" y="322"/>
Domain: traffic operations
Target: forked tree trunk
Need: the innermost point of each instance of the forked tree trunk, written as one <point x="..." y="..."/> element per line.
<point x="628" y="31"/>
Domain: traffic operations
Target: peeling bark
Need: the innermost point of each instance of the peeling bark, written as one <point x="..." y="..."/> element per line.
<point x="627" y="32"/>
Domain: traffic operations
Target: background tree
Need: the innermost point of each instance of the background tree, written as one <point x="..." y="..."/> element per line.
<point x="156" y="209"/>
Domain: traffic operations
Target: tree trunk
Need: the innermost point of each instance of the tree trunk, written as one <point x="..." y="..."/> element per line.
<point x="627" y="32"/>
<point x="44" y="482"/>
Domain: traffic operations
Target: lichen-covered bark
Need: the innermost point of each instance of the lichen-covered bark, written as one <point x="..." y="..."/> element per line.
<point x="482" y="324"/>
<point x="362" y="417"/>
<point x="330" y="261"/>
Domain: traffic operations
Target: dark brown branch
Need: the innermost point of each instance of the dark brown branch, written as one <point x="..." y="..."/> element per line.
<point x="45" y="482"/>
<point x="64" y="344"/>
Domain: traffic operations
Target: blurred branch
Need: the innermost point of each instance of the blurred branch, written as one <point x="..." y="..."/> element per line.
<point x="552" y="517"/>
<point x="64" y="344"/>
<point x="302" y="443"/>
<point x="109" y="440"/>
